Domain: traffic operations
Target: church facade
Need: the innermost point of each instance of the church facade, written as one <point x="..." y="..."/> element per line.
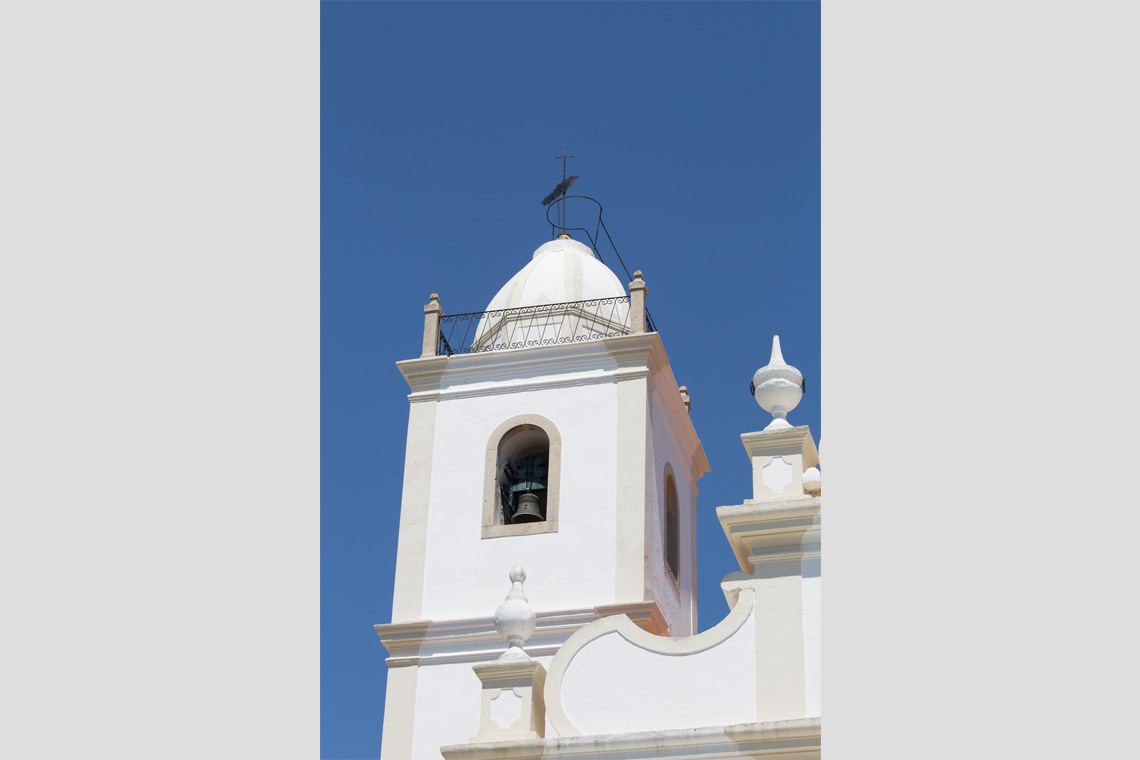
<point x="551" y="458"/>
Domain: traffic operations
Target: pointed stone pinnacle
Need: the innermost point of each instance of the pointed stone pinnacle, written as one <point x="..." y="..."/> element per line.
<point x="777" y="359"/>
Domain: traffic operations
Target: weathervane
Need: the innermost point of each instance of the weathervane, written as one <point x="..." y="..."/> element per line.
<point x="563" y="157"/>
<point x="561" y="188"/>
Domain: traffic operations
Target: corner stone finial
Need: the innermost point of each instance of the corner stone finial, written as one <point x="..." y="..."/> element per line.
<point x="638" y="291"/>
<point x="777" y="359"/>
<point x="514" y="619"/>
<point x="433" y="315"/>
<point x="779" y="387"/>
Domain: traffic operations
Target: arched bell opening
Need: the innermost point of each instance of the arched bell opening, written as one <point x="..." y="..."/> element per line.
<point x="523" y="475"/>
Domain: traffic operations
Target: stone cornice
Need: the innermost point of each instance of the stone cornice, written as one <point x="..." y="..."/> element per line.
<point x="771" y="532"/>
<point x="793" y="440"/>
<point x="489" y="366"/>
<point x="776" y="740"/>
<point x="637" y="350"/>
<point x="423" y="374"/>
<point x="494" y="372"/>
<point x="519" y="387"/>
<point x="403" y="639"/>
<point x="424" y="642"/>
<point x="502" y="670"/>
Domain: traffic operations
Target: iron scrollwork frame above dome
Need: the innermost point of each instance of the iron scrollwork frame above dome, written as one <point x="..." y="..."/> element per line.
<point x="556" y="228"/>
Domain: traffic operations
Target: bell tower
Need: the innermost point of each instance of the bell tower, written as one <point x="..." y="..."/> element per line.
<point x="546" y="431"/>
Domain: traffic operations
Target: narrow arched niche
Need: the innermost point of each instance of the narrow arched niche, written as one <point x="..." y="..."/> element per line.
<point x="521" y="478"/>
<point x="672" y="526"/>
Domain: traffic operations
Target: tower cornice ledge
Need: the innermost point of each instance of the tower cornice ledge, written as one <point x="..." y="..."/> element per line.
<point x="772" y="532"/>
<point x="642" y="350"/>
<point x="424" y="373"/>
<point x="425" y="642"/>
<point x="775" y="740"/>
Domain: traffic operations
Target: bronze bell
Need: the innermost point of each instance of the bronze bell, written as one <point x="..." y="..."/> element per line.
<point x="527" y="510"/>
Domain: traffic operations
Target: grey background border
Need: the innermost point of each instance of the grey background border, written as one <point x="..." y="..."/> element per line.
<point x="979" y="198"/>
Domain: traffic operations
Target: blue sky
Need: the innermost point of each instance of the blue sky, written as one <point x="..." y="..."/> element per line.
<point x="696" y="125"/>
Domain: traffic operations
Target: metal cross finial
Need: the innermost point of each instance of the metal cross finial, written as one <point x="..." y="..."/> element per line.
<point x="564" y="187"/>
<point x="563" y="157"/>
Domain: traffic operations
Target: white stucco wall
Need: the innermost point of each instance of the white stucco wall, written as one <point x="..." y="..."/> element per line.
<point x="674" y="601"/>
<point x="613" y="686"/>
<point x="813" y="639"/>
<point x="586" y="392"/>
<point x="466" y="575"/>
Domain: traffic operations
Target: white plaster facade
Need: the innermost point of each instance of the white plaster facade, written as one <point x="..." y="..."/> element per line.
<point x="613" y="667"/>
<point x="614" y="408"/>
<point x="609" y="401"/>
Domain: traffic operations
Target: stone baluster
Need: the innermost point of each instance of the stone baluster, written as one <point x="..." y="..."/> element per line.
<point x="638" y="291"/>
<point x="433" y="313"/>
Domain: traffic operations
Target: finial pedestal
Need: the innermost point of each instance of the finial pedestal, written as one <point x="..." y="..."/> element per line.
<point x="512" y="703"/>
<point x="779" y="459"/>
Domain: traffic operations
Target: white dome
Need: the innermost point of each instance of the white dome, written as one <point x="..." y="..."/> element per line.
<point x="560" y="271"/>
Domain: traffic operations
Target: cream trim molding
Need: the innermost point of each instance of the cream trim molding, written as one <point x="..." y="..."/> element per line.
<point x="430" y="642"/>
<point x="503" y="389"/>
<point x="797" y="739"/>
<point x="776" y="534"/>
<point x="415" y="498"/>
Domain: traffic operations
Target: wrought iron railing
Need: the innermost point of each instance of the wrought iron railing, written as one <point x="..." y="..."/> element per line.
<point x="541" y="325"/>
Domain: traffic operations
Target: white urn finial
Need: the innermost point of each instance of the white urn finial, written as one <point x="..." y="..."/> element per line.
<point x="812" y="482"/>
<point x="514" y="619"/>
<point x="778" y="387"/>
